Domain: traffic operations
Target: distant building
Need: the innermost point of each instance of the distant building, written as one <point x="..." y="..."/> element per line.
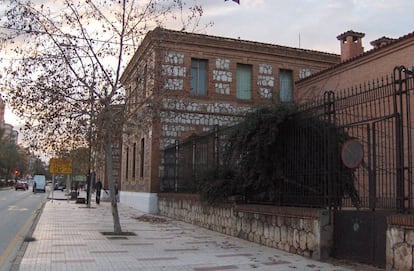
<point x="99" y="166"/>
<point x="181" y="83"/>
<point x="9" y="132"/>
<point x="2" y="110"/>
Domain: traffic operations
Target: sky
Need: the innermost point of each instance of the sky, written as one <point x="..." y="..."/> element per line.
<point x="307" y="24"/>
<point x="317" y="22"/>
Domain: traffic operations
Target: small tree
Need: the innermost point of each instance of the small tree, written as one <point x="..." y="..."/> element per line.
<point x="70" y="61"/>
<point x="11" y="158"/>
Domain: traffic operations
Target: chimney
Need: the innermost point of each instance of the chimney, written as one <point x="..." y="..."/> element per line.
<point x="381" y="42"/>
<point x="351" y="44"/>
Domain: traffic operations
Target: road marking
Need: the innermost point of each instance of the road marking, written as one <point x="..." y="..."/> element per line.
<point x="15" y="208"/>
<point x="18" y="235"/>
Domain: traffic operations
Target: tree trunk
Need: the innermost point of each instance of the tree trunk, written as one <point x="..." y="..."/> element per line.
<point x="109" y="172"/>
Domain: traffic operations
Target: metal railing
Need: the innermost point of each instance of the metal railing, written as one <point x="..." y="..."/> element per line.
<point x="376" y="119"/>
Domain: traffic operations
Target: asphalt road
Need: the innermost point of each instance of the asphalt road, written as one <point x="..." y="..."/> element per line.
<point x="18" y="209"/>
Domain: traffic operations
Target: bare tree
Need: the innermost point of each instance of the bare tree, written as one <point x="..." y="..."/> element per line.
<point x="69" y="59"/>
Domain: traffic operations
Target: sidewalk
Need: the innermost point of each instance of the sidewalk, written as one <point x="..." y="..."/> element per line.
<point x="69" y="237"/>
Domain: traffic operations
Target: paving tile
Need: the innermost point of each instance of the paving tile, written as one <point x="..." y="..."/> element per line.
<point x="69" y="238"/>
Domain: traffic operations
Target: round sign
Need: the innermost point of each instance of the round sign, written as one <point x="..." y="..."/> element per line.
<point x="352" y="153"/>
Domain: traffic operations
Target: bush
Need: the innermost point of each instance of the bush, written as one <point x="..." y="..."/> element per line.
<point x="260" y="163"/>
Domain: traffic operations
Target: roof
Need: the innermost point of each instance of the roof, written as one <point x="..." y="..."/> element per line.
<point x="350" y="33"/>
<point x="163" y="34"/>
<point x="381" y="41"/>
<point x="190" y="35"/>
<point x="366" y="54"/>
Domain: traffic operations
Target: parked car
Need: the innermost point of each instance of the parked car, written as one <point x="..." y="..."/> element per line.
<point x="60" y="186"/>
<point x="20" y="185"/>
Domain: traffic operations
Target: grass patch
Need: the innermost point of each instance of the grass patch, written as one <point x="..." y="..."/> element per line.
<point x="29" y="239"/>
<point x="117" y="237"/>
<point x="125" y="233"/>
<point x="151" y="219"/>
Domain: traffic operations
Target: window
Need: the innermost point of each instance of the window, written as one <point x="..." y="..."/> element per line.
<point x="198" y="76"/>
<point x="128" y="93"/>
<point x="285" y="86"/>
<point x="126" y="163"/>
<point x="144" y="81"/>
<point x="142" y="158"/>
<point x="244" y="81"/>
<point x="134" y="158"/>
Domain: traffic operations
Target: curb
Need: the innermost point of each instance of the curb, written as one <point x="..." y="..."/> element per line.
<point x="15" y="265"/>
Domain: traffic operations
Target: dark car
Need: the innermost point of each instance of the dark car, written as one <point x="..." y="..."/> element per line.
<point x="60" y="186"/>
<point x="20" y="185"/>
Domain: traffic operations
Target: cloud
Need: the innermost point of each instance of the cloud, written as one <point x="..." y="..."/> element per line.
<point x="318" y="22"/>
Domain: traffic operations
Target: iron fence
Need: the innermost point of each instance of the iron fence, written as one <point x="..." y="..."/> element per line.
<point x="375" y="169"/>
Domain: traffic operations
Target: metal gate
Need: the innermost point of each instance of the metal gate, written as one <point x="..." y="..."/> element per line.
<point x="360" y="236"/>
<point x="383" y="177"/>
<point x="360" y="233"/>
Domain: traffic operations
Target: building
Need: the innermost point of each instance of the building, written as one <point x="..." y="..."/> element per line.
<point x="2" y="110"/>
<point x="178" y="84"/>
<point x="99" y="159"/>
<point x="9" y="132"/>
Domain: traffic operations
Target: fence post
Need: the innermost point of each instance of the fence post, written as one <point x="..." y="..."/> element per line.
<point x="330" y="192"/>
<point x="194" y="156"/>
<point x="399" y="138"/>
<point x="216" y="146"/>
<point x="177" y="166"/>
<point x="372" y="167"/>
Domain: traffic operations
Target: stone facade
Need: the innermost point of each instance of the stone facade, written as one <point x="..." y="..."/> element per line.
<point x="400" y="243"/>
<point x="266" y="81"/>
<point x="302" y="231"/>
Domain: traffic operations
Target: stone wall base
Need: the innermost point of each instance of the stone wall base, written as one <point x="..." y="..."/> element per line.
<point x="400" y="243"/>
<point x="303" y="231"/>
<point x="146" y="202"/>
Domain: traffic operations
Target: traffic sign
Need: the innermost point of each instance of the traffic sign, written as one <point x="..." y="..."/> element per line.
<point x="60" y="166"/>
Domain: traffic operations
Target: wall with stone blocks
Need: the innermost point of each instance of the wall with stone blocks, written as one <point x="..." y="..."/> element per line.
<point x="400" y="243"/>
<point x="301" y="231"/>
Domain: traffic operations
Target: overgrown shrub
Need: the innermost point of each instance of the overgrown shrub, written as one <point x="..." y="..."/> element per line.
<point x="265" y="153"/>
<point x="217" y="185"/>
